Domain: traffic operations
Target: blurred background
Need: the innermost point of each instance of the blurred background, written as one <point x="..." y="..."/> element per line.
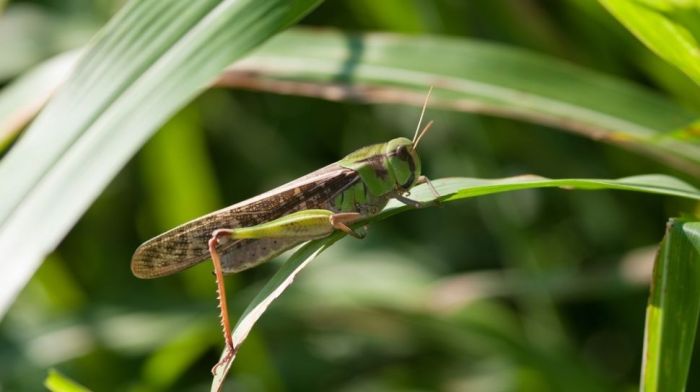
<point x="525" y="291"/>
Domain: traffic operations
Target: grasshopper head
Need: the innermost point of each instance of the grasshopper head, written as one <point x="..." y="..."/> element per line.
<point x="402" y="159"/>
<point x="403" y="162"/>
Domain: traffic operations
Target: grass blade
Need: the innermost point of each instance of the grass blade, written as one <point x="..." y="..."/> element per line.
<point x="149" y="61"/>
<point x="57" y="382"/>
<point x="21" y="100"/>
<point x="473" y="76"/>
<point x="672" y="312"/>
<point x="273" y="289"/>
<point x="449" y="189"/>
<point x="669" y="28"/>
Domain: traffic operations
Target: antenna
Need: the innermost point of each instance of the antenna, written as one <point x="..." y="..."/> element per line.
<point x="427" y="126"/>
<point x="417" y="136"/>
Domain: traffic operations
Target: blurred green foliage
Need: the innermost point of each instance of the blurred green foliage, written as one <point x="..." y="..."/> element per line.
<point x="57" y="382"/>
<point x="528" y="291"/>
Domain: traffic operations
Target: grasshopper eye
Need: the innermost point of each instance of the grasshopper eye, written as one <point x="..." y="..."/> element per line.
<point x="402" y="153"/>
<point x="403" y="166"/>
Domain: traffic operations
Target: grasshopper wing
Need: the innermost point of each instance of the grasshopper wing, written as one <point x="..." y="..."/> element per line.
<point x="187" y="244"/>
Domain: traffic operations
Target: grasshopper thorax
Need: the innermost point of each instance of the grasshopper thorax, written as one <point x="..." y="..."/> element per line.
<point x="403" y="162"/>
<point x="387" y="167"/>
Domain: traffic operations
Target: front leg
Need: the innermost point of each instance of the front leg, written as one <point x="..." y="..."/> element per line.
<point x="410" y="202"/>
<point x="420" y="204"/>
<point x="426" y="180"/>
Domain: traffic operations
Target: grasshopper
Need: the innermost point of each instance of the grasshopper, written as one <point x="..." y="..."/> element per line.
<point x="253" y="231"/>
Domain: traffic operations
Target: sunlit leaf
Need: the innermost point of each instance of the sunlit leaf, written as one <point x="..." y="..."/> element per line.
<point x="151" y="60"/>
<point x="669" y="28"/>
<point x="57" y="382"/>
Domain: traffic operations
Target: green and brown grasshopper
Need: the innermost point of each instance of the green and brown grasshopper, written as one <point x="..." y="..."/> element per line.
<point x="255" y="230"/>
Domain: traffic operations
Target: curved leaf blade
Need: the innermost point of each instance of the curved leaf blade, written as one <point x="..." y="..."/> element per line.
<point x="449" y="189"/>
<point x="673" y="308"/>
<point x="150" y="60"/>
<point x="472" y="76"/>
<point x="57" y="382"/>
<point x="271" y="291"/>
<point x="669" y="28"/>
<point x="22" y="99"/>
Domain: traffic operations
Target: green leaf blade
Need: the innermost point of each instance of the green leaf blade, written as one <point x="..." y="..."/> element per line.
<point x="501" y="78"/>
<point x="57" y="382"/>
<point x="669" y="28"/>
<point x="473" y="76"/>
<point x="449" y="190"/>
<point x="271" y="291"/>
<point x="22" y="99"/>
<point x="673" y="308"/>
<point x="125" y="87"/>
<point x="457" y="188"/>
